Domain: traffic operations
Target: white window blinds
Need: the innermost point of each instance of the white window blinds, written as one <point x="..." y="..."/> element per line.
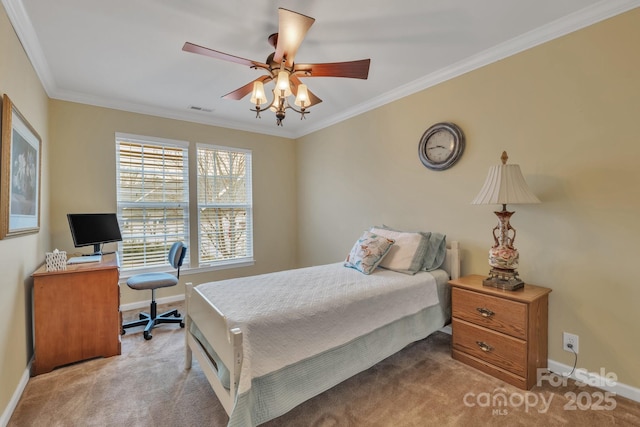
<point x="153" y="199"/>
<point x="224" y="205"/>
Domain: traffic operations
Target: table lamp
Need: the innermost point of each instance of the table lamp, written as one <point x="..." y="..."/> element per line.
<point x="504" y="185"/>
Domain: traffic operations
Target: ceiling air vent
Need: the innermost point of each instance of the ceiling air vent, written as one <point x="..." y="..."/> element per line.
<point x="202" y="109"/>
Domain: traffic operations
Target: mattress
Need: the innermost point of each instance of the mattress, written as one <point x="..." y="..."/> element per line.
<point x="302" y="321"/>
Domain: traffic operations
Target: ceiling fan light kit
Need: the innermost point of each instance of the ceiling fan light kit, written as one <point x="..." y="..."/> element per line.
<point x="302" y="97"/>
<point x="258" y="96"/>
<point x="280" y="67"/>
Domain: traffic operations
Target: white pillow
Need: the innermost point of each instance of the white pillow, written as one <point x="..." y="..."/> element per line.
<point x="408" y="252"/>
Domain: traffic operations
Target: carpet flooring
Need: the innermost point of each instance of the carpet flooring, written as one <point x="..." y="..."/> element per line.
<point x="419" y="386"/>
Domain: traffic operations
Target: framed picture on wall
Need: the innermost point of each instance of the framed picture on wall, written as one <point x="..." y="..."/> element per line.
<point x="19" y="174"/>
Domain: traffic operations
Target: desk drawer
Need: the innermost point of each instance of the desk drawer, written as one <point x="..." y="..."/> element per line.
<point x="499" y="314"/>
<point x="497" y="349"/>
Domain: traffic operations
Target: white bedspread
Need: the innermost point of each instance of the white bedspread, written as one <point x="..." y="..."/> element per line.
<point x="288" y="316"/>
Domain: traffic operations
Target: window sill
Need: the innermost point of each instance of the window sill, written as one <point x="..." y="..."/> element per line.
<point x="215" y="267"/>
<point x="186" y="270"/>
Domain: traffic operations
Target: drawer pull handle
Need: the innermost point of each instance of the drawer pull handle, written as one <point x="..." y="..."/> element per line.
<point x="484" y="346"/>
<point x="485" y="312"/>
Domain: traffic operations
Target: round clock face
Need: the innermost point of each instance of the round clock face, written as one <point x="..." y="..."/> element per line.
<point x="441" y="146"/>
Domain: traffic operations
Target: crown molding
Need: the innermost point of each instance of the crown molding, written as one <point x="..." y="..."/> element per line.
<point x="30" y="43"/>
<point x="583" y="18"/>
<point x="187" y="116"/>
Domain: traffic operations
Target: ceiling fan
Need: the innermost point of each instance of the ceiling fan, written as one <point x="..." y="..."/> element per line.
<point x="280" y="66"/>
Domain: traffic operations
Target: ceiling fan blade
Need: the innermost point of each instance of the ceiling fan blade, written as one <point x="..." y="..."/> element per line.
<point x="292" y="28"/>
<point x="201" y="50"/>
<point x="352" y="69"/>
<point x="295" y="82"/>
<point x="246" y="89"/>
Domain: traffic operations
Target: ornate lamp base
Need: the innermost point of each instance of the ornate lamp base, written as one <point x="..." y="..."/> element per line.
<point x="502" y="278"/>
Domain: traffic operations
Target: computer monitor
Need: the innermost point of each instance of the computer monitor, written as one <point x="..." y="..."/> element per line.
<point x="94" y="229"/>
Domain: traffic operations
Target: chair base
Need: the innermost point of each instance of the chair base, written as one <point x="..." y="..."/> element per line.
<point x="150" y="320"/>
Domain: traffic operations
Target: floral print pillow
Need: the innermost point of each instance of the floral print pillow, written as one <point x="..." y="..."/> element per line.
<point x="367" y="252"/>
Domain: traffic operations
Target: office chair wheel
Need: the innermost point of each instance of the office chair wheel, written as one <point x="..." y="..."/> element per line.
<point x="141" y="316"/>
<point x="123" y="331"/>
<point x="147" y="336"/>
<point x="176" y="314"/>
<point x="182" y="324"/>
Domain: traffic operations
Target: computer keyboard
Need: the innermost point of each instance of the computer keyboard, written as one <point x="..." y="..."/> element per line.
<point x="84" y="259"/>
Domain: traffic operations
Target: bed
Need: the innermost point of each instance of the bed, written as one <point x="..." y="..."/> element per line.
<point x="262" y="359"/>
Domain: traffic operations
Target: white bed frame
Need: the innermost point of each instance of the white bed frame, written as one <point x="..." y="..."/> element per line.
<point x="227" y="342"/>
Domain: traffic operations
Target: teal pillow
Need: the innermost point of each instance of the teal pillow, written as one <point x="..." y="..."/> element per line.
<point x="368" y="252"/>
<point x="436" y="251"/>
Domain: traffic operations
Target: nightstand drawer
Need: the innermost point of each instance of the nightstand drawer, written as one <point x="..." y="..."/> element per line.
<point x="497" y="349"/>
<point x="495" y="313"/>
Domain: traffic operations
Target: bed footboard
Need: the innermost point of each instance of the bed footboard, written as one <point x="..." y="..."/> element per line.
<point x="226" y="342"/>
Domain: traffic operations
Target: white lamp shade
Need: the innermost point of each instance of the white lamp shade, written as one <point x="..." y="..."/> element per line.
<point x="302" y="97"/>
<point x="282" y="83"/>
<point x="505" y="185"/>
<point x="258" y="96"/>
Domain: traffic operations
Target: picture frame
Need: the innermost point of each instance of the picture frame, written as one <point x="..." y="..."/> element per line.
<point x="20" y="170"/>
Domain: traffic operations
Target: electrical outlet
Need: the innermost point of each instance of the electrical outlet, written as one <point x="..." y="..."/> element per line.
<point x="567" y="339"/>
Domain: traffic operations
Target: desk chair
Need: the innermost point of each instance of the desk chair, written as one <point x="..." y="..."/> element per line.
<point x="154" y="281"/>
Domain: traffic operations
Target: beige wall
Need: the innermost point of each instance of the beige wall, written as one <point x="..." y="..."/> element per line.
<point x="568" y="112"/>
<point x="20" y="256"/>
<point x="78" y="174"/>
<point x="83" y="179"/>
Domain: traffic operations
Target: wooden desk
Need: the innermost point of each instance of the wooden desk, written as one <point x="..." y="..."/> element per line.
<point x="76" y="313"/>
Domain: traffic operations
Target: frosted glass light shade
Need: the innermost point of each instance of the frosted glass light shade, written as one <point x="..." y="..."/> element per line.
<point x="283" y="83"/>
<point x="302" y="98"/>
<point x="258" y="97"/>
<point x="276" y="101"/>
<point x="505" y="185"/>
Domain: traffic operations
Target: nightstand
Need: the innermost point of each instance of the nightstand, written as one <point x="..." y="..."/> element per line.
<point x="502" y="333"/>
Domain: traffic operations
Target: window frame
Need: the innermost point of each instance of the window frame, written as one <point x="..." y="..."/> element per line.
<point x="185" y="204"/>
<point x="248" y="205"/>
<point x="192" y="264"/>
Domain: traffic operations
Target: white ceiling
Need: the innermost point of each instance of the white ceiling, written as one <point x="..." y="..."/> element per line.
<point x="126" y="54"/>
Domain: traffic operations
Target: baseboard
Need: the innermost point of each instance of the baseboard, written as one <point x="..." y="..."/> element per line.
<point x="8" y="411"/>
<point x="145" y="304"/>
<point x="596" y="380"/>
<point x="13" y="403"/>
<point x="619" y="389"/>
<point x="591" y="378"/>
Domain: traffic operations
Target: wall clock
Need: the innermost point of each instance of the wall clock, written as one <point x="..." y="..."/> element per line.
<point x="441" y="146"/>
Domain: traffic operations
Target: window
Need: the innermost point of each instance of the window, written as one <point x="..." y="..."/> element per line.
<point x="153" y="192"/>
<point x="224" y="205"/>
<point x="153" y="199"/>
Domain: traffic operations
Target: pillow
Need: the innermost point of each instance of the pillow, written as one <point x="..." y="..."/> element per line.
<point x="367" y="252"/>
<point x="407" y="253"/>
<point x="436" y="249"/>
<point x="436" y="252"/>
